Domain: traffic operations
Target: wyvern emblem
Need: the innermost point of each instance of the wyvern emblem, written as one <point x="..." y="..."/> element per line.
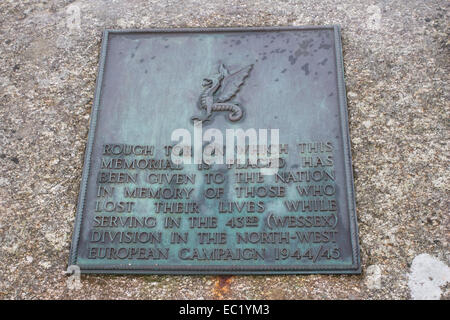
<point x="220" y="88"/>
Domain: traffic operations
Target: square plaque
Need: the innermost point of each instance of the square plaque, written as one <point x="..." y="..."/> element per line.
<point x="218" y="151"/>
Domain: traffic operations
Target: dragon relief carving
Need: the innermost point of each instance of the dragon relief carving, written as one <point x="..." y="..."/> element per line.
<point x="219" y="89"/>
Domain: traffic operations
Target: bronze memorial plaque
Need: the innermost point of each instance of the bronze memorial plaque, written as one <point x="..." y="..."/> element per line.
<point x="218" y="151"/>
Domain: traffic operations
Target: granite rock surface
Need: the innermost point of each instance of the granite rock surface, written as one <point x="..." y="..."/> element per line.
<point x="396" y="59"/>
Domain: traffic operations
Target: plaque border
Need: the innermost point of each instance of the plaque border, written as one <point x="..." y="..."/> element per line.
<point x="354" y="268"/>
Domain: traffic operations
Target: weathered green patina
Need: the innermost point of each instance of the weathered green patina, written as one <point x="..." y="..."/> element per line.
<point x="139" y="212"/>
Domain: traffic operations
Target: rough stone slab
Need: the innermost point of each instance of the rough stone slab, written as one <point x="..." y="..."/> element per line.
<point x="396" y="70"/>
